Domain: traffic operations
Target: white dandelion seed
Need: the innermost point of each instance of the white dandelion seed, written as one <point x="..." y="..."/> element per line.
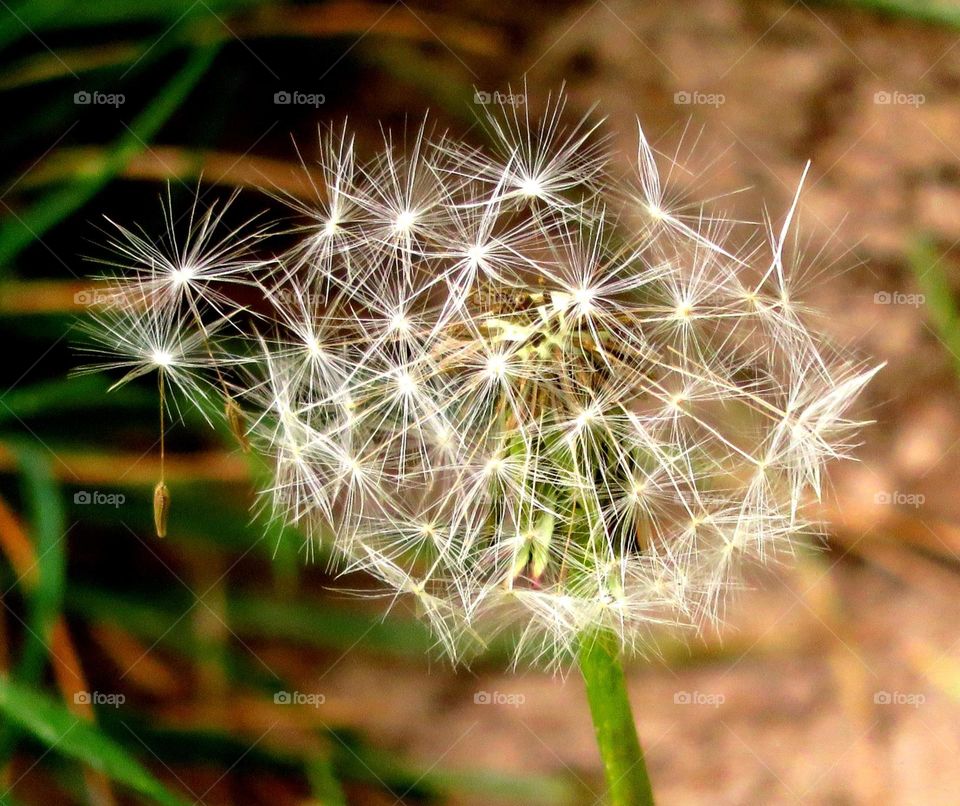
<point x="192" y="263"/>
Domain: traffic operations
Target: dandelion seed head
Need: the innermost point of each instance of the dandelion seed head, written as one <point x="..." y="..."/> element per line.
<point x="656" y="212"/>
<point x="162" y="358"/>
<point x="527" y="417"/>
<point x="496" y="366"/>
<point x="315" y="347"/>
<point x="586" y="417"/>
<point x="477" y="252"/>
<point x="406" y="383"/>
<point x="530" y="186"/>
<point x="405" y="221"/>
<point x="494" y="466"/>
<point x="183" y="274"/>
<point x="400" y="323"/>
<point x="583" y="298"/>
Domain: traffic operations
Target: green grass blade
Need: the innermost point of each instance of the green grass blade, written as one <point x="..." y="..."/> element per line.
<point x="254" y="616"/>
<point x="69" y="396"/>
<point x="68" y="735"/>
<point x="325" y="626"/>
<point x="936" y="12"/>
<point x="47" y="15"/>
<point x="19" y="232"/>
<point x="939" y="302"/>
<point x="324" y="785"/>
<point x="45" y="600"/>
<point x="49" y="532"/>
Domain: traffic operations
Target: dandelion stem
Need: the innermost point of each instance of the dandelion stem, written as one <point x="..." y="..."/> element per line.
<point x="628" y="783"/>
<point x="161" y="495"/>
<point x="163" y="403"/>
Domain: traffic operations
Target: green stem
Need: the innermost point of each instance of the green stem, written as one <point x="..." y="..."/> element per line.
<point x="627" y="781"/>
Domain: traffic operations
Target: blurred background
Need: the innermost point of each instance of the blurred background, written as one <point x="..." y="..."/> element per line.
<point x="217" y="667"/>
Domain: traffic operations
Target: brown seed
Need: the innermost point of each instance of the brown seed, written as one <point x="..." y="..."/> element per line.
<point x="161" y="508"/>
<point x="237" y="423"/>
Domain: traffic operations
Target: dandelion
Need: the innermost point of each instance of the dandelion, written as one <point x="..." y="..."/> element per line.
<point x="138" y="338"/>
<point x="176" y="272"/>
<point x="523" y="396"/>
